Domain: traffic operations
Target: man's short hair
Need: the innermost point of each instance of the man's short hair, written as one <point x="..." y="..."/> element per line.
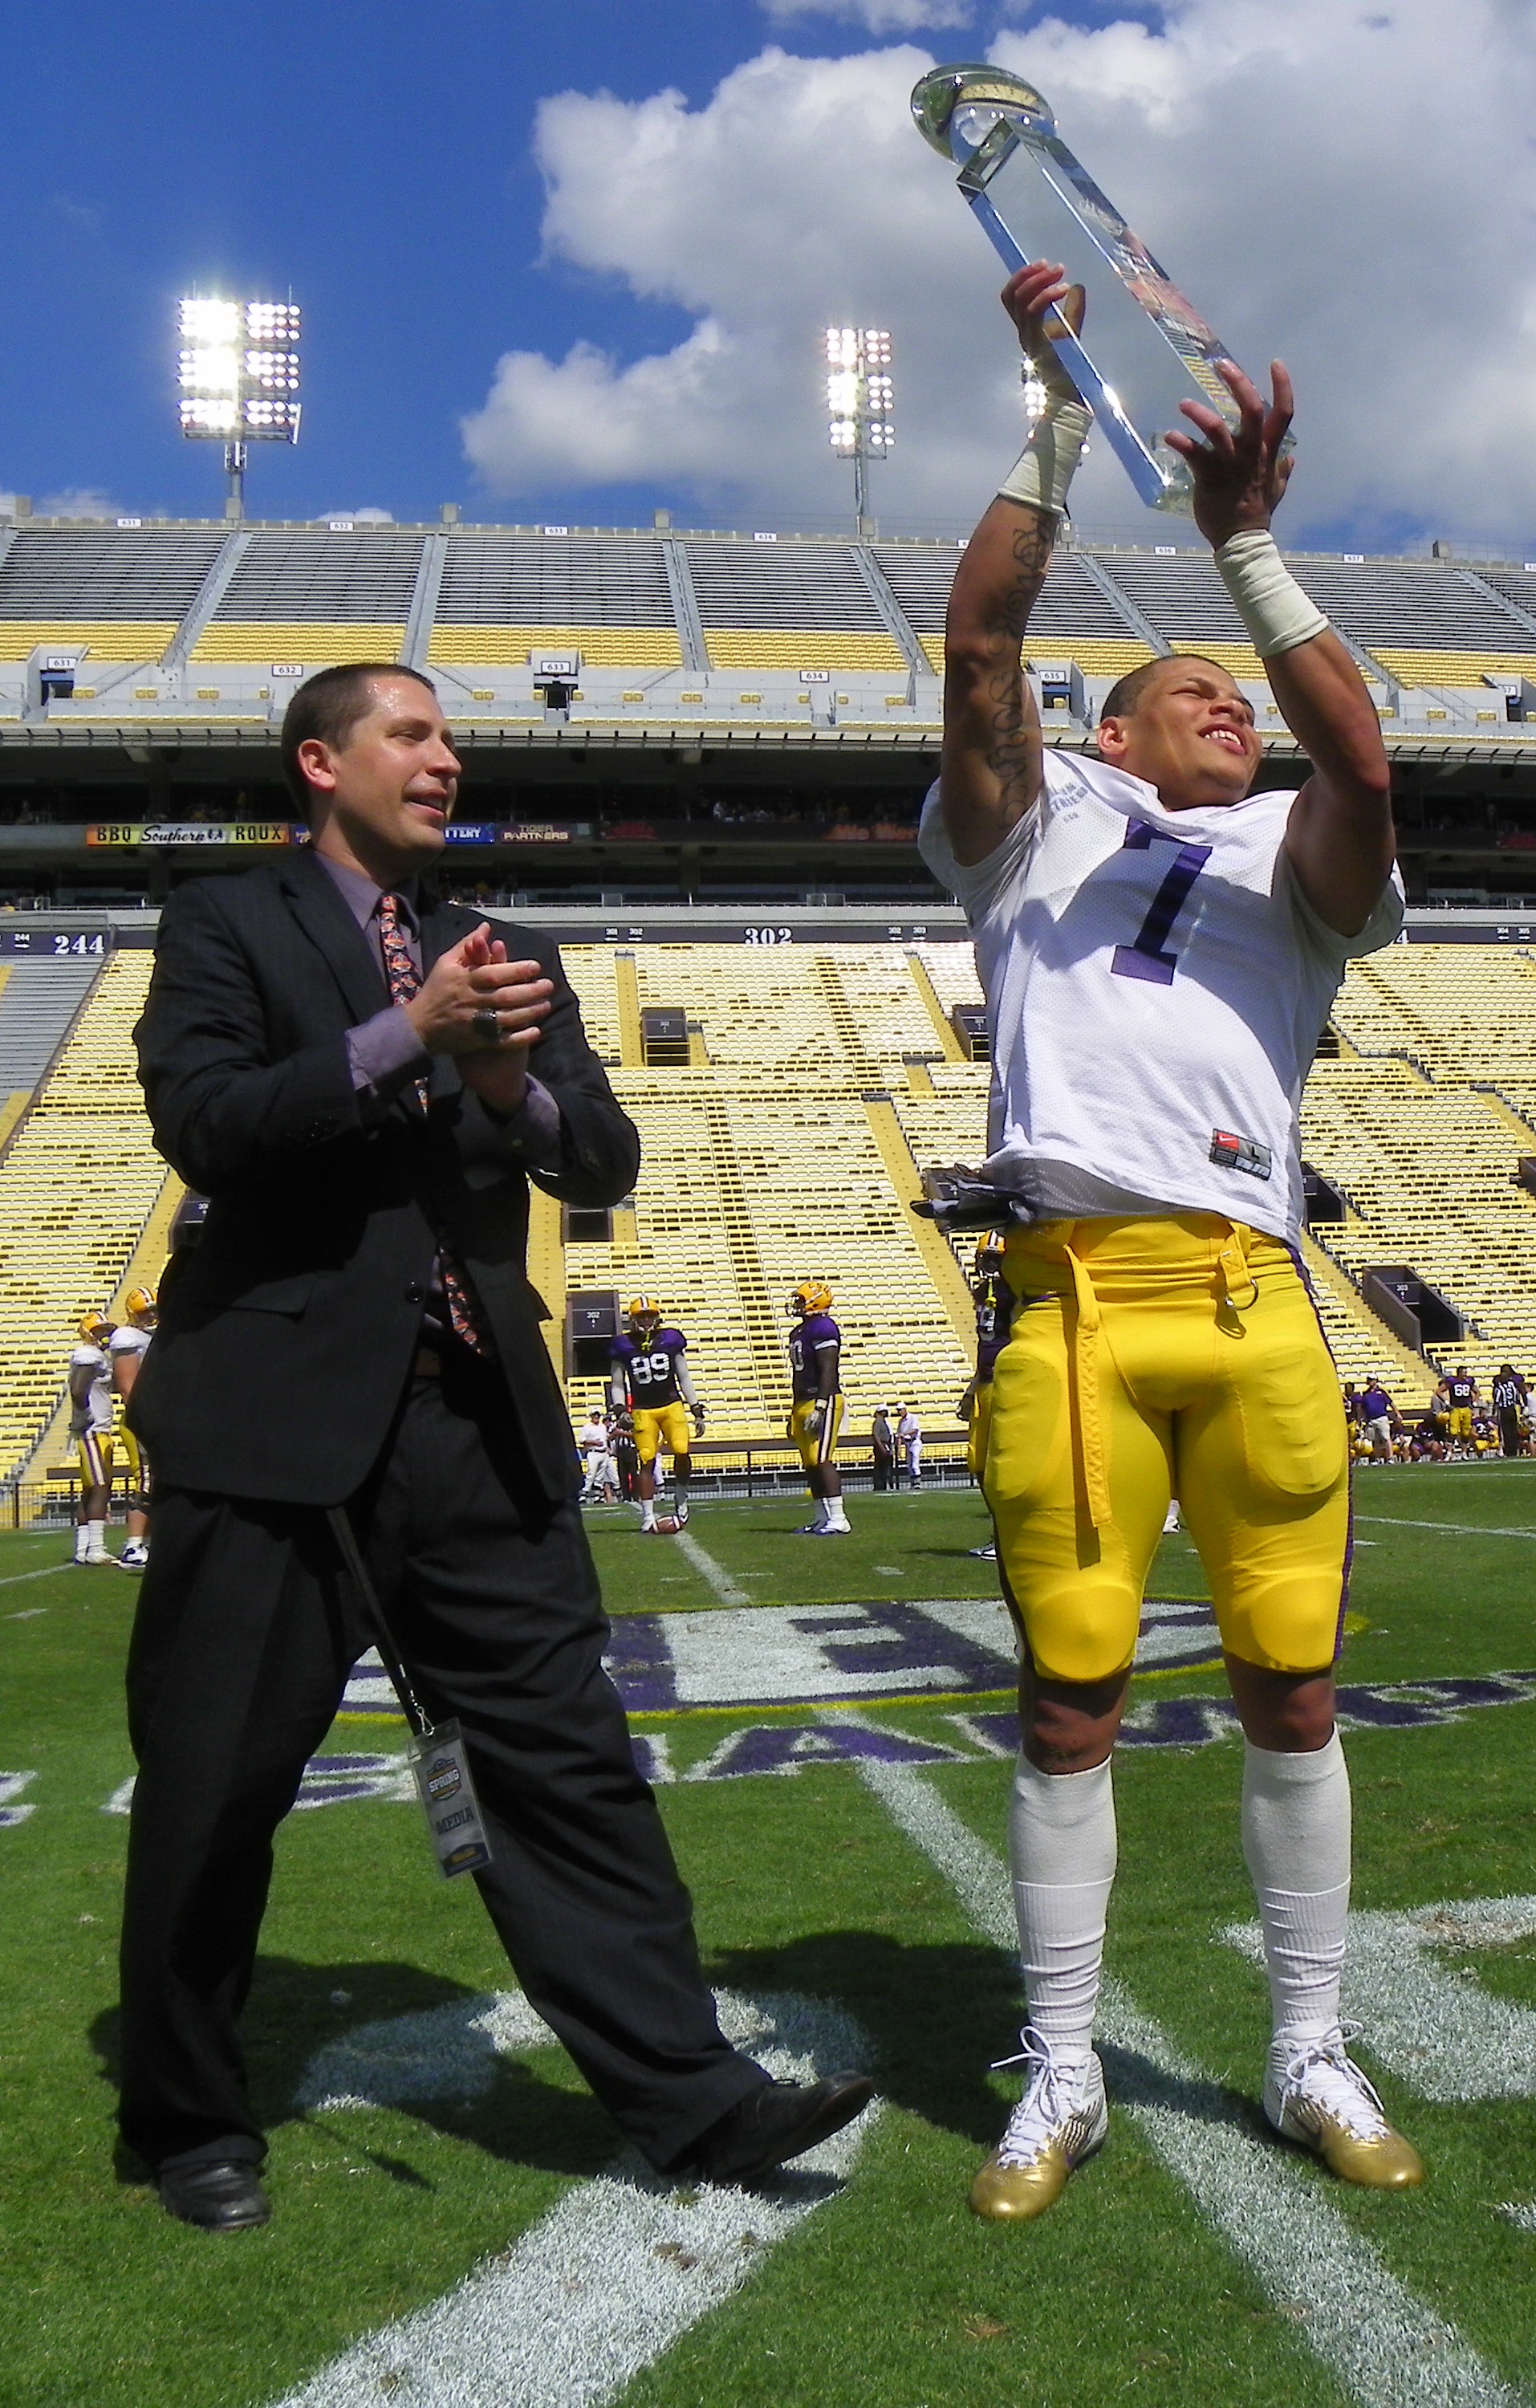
<point x="1123" y="697"/>
<point x="328" y="707"/>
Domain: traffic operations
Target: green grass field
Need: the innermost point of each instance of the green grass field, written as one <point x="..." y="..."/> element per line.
<point x="827" y="1724"/>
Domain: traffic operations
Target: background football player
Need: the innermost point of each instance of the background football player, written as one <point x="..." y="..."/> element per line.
<point x="1159" y="944"/>
<point x="815" y="1411"/>
<point x="130" y="1343"/>
<point x="1462" y="1394"/>
<point x="91" y="1427"/>
<point x="651" y="1381"/>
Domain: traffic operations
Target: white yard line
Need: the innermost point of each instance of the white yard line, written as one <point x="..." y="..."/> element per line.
<point x="1462" y="1529"/>
<point x="718" y="1578"/>
<point x="1383" y="2345"/>
<point x="11" y="1578"/>
<point x="619" y="2269"/>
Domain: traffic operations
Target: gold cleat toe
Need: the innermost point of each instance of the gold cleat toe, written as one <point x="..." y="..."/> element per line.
<point x="1013" y="2194"/>
<point x="1383" y="2161"/>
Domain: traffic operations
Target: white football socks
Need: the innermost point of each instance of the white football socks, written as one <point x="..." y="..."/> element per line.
<point x="1295" y="1833"/>
<point x="648" y="1513"/>
<point x="1061" y="1846"/>
<point x="833" y="1516"/>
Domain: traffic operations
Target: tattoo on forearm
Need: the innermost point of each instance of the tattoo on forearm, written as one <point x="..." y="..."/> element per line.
<point x="1013" y="728"/>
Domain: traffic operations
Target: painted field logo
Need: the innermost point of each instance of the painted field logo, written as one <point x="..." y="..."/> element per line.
<point x="832" y="1654"/>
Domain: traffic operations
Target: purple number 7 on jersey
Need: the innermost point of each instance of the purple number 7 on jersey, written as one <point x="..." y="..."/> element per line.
<point x="1145" y="958"/>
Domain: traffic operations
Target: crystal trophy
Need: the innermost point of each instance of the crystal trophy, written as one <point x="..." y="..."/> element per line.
<point x="1147" y="348"/>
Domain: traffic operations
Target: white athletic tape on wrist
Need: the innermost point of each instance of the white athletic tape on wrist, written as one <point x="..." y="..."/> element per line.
<point x="1044" y="468"/>
<point x="1276" y="611"/>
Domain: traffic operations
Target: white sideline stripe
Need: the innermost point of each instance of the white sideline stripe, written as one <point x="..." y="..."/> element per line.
<point x="11" y="1578"/>
<point x="1384" y="2346"/>
<point x="708" y="1569"/>
<point x="1462" y="1529"/>
<point x="619" y="2269"/>
<point x="1521" y="2212"/>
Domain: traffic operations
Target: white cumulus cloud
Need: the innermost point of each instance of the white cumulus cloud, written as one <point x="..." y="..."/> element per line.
<point x="877" y="16"/>
<point x="1346" y="185"/>
<point x="77" y="502"/>
<point x="367" y="516"/>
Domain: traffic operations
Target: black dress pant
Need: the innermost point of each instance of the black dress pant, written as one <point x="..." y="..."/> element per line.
<point x="246" y="1631"/>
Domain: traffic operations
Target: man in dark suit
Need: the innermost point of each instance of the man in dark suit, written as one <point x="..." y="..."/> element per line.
<point x="342" y="1063"/>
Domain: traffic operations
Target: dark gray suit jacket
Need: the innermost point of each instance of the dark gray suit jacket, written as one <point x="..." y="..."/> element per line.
<point x="287" y="1333"/>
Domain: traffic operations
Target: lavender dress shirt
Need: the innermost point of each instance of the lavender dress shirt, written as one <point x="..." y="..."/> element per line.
<point x="385" y="1054"/>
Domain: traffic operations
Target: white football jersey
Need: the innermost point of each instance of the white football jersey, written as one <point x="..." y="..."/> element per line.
<point x="96" y="1412"/>
<point x="1156" y="983"/>
<point x="129" y="1340"/>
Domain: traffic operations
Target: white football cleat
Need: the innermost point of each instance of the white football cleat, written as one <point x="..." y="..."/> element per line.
<point x="1314" y="2093"/>
<point x="1060" y="2120"/>
<point x="134" y="1556"/>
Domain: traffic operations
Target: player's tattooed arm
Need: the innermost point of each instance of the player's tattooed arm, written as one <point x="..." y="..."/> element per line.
<point x="992" y="755"/>
<point x="1340" y="839"/>
<point x="993" y="758"/>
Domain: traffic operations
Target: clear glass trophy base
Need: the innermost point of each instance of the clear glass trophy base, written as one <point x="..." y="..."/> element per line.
<point x="1144" y="347"/>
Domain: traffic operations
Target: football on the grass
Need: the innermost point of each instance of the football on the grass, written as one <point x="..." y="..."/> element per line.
<point x="669" y="1525"/>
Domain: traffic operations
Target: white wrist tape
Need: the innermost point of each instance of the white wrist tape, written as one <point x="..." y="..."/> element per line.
<point x="1276" y="611"/>
<point x="1044" y="467"/>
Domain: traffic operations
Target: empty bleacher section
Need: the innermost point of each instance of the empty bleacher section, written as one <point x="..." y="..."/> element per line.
<point x="1074" y="616"/>
<point x="37" y="1002"/>
<point x="788" y="1145"/>
<point x="1187" y="604"/>
<point x="672" y="623"/>
<point x="311" y="595"/>
<point x="1428" y="1169"/>
<point x="789" y="606"/>
<point x="505" y="595"/>
<point x="77" y="1183"/>
<point x="1425" y="621"/>
<point x="121" y="592"/>
<point x="762" y="1168"/>
<point x="1460" y="1011"/>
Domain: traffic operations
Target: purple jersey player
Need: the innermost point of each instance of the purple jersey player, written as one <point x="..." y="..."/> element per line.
<point x="816" y="1413"/>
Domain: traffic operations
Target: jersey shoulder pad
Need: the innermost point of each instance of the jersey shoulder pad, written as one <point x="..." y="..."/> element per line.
<point x="623" y="1349"/>
<point x="673" y="1340"/>
<point x="84" y="1357"/>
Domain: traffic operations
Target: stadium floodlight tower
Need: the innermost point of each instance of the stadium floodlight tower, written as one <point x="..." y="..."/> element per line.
<point x="239" y="379"/>
<point x="860" y="399"/>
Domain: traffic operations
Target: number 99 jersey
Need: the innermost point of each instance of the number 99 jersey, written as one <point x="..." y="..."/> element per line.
<point x="1156" y="983"/>
<point x="650" y="1369"/>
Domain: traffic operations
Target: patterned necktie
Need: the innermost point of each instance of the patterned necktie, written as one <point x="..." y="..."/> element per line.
<point x="404" y="980"/>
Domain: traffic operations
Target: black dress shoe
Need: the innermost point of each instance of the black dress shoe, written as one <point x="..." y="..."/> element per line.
<point x="222" y="2195"/>
<point x="776" y="2121"/>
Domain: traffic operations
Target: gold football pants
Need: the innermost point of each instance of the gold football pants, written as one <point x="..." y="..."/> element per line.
<point x="1181" y="1354"/>
<point x="814" y="1423"/>
<point x="657" y="1427"/>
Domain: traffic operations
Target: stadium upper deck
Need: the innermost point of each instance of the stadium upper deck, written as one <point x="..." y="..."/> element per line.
<point x="662" y="713"/>
<point x="810" y="637"/>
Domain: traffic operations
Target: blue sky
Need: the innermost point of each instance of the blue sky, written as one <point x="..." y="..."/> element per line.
<point x="393" y="169"/>
<point x="377" y="161"/>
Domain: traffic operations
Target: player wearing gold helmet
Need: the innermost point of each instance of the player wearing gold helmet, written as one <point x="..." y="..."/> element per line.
<point x="816" y="1413"/>
<point x="650" y="1378"/>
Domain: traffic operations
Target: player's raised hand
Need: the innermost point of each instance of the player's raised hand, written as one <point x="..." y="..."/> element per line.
<point x="1240" y="472"/>
<point x="1040" y="302"/>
